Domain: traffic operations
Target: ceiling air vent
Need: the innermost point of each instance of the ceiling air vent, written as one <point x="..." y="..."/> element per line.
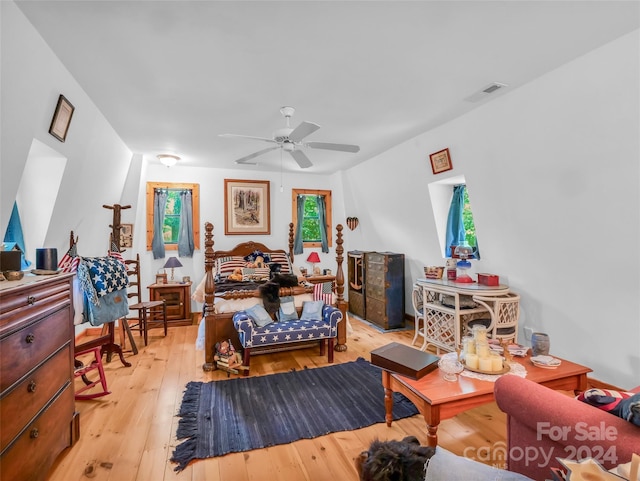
<point x="485" y="92"/>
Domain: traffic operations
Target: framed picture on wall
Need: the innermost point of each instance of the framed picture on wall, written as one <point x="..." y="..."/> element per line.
<point x="246" y="207"/>
<point x="440" y="161"/>
<point x="126" y="235"/>
<point x="61" y="119"/>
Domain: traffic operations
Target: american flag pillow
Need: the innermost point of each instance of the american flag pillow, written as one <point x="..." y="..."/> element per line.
<point x="282" y="259"/>
<point x="226" y="265"/>
<point x="323" y="292"/>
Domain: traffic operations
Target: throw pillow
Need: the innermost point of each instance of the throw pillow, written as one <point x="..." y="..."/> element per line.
<point x="287" y="311"/>
<point x="625" y="405"/>
<point x="312" y="310"/>
<point x="259" y="315"/>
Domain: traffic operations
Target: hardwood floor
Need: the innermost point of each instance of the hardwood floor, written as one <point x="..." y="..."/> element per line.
<point x="130" y="434"/>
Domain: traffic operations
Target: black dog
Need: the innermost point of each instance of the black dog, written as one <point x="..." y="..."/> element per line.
<point x="394" y="460"/>
<point x="270" y="291"/>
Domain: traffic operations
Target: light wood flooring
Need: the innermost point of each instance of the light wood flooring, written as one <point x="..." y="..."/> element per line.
<point x="130" y="434"/>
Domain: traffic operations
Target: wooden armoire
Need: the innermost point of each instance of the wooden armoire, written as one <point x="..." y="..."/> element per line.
<point x="376" y="287"/>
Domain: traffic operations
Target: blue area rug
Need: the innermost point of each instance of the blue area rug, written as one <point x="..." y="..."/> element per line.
<point x="246" y="413"/>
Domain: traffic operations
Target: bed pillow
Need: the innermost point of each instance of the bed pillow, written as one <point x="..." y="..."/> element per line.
<point x="625" y="405"/>
<point x="226" y="265"/>
<point x="255" y="254"/>
<point x="287" y="310"/>
<point x="312" y="310"/>
<point x="255" y="273"/>
<point x="282" y="259"/>
<point x="259" y="315"/>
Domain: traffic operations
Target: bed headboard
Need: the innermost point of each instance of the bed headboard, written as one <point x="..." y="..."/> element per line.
<point x="245" y="248"/>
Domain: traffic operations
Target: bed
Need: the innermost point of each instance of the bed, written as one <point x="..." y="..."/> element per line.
<point x="221" y="304"/>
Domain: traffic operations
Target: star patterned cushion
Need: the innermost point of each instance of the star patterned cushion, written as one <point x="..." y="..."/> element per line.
<point x="287" y="331"/>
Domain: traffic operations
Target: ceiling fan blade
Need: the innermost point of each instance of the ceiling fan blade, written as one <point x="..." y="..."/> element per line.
<point x="302" y="160"/>
<point x="244" y="160"/>
<point x="302" y="130"/>
<point x="247" y="137"/>
<point x="330" y="146"/>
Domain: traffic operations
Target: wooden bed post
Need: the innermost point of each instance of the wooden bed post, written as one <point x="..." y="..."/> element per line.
<point x="291" y="241"/>
<point x="340" y="302"/>
<point x="209" y="290"/>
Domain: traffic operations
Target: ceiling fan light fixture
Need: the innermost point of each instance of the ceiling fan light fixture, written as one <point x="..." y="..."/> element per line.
<point x="168" y="160"/>
<point x="287" y="111"/>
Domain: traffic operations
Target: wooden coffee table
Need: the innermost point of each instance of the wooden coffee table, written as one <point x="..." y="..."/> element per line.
<point x="437" y="399"/>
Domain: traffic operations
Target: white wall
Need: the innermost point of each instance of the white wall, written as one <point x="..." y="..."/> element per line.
<point x="32" y="78"/>
<point x="212" y="210"/>
<point x="553" y="175"/>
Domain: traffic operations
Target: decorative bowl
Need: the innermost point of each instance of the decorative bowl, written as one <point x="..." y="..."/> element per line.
<point x="13" y="275"/>
<point x="450" y="367"/>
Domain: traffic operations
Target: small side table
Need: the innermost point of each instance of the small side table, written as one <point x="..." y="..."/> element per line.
<point x="178" y="298"/>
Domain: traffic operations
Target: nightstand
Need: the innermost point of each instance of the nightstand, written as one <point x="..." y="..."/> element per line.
<point x="178" y="299"/>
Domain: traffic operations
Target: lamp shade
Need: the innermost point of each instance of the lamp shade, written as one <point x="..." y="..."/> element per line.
<point x="172" y="262"/>
<point x="313" y="257"/>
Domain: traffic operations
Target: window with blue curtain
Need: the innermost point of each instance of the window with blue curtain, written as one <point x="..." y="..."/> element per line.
<point x="14" y="236"/>
<point x="311" y="214"/>
<point x="175" y="218"/>
<point x="460" y="225"/>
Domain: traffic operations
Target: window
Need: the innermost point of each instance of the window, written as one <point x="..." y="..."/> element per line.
<point x="311" y="221"/>
<point x="172" y="213"/>
<point x="467" y="219"/>
<point x="460" y="227"/>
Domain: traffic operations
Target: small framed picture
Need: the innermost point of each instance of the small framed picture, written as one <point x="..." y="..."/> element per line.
<point x="126" y="235"/>
<point x="440" y="161"/>
<point x="61" y="119"/>
<point x="161" y="278"/>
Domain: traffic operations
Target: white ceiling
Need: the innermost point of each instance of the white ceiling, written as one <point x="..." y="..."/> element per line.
<point x="170" y="76"/>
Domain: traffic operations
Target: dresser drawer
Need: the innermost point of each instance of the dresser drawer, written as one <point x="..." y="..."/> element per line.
<point x="18" y="307"/>
<point x="33" y="453"/>
<point x="28" y="347"/>
<point x="22" y="403"/>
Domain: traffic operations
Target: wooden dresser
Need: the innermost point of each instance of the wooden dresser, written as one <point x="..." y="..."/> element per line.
<point x="37" y="405"/>
<point x="384" y="289"/>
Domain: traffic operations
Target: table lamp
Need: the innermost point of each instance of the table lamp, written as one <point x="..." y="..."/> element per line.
<point x="464" y="251"/>
<point x="173" y="263"/>
<point x="314" y="258"/>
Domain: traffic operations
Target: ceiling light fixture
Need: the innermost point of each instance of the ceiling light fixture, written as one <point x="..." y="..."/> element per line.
<point x="168" y="159"/>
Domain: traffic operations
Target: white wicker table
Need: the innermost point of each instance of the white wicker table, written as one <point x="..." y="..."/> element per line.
<point x="443" y="327"/>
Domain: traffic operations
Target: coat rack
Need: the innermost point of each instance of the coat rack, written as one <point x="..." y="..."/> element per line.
<point x="116" y="227"/>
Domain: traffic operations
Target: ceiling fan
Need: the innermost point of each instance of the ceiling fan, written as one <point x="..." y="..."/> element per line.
<point x="290" y="140"/>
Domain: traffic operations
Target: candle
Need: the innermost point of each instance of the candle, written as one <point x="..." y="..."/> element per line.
<point x="469" y="345"/>
<point x="480" y="333"/>
<point x="482" y="349"/>
<point x="485" y="364"/>
<point x="496" y="363"/>
<point x="472" y="360"/>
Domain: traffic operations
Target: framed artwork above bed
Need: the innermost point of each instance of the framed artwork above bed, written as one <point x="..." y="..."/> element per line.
<point x="247" y="207"/>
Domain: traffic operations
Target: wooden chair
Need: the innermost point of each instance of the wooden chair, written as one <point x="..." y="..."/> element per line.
<point x="148" y="312"/>
<point x="419" y="323"/>
<point x="505" y="313"/>
<point x="81" y="370"/>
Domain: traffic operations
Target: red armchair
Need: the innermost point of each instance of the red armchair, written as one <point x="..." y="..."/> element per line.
<point x="543" y="425"/>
